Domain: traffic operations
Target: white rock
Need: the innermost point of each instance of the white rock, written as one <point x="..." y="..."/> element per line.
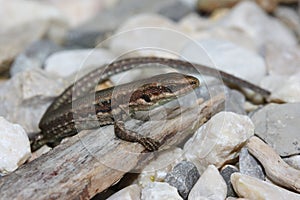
<point x="147" y="35"/>
<point x="157" y="191"/>
<point x="250" y="18"/>
<point x="26" y="96"/>
<point x="65" y="63"/>
<point x="252" y="188"/>
<point x="78" y="11"/>
<point x="227" y="57"/>
<point x="14" y="146"/>
<point x="132" y="192"/>
<point x="282" y="60"/>
<point x="20" y="13"/>
<point x="283" y="87"/>
<point x="219" y="140"/>
<point x="31" y="18"/>
<point x="210" y="185"/>
<point x="158" y="168"/>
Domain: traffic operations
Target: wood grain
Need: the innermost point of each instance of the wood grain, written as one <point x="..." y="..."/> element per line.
<point x="91" y="161"/>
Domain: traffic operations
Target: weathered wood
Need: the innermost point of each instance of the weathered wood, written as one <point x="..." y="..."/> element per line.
<point x="276" y="169"/>
<point x="91" y="161"/>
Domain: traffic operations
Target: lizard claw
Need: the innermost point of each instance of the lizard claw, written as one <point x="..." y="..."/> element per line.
<point x="149" y="144"/>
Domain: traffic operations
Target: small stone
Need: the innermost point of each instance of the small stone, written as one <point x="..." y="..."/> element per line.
<point x="283" y="88"/>
<point x="282" y="60"/>
<point x="33" y="56"/>
<point x="219" y="140"/>
<point x="248" y="165"/>
<point x="293" y="161"/>
<point x="226" y="172"/>
<point x="227" y="57"/>
<point x="158" y="168"/>
<point x="27" y="95"/>
<point x="183" y="177"/>
<point x="25" y="13"/>
<point x="78" y="11"/>
<point x="253" y="188"/>
<point x="65" y="63"/>
<point x="157" y="190"/>
<point x="248" y="17"/>
<point x="278" y="125"/>
<point x="132" y="192"/>
<point x="14" y="146"/>
<point x="210" y="186"/>
<point x="235" y="102"/>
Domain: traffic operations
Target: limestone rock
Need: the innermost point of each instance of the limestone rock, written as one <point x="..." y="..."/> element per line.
<point x="157" y="190"/>
<point x="278" y="125"/>
<point x="65" y="63"/>
<point x="227" y="57"/>
<point x="219" y="140"/>
<point x="26" y="96"/>
<point x="14" y="146"/>
<point x="210" y="186"/>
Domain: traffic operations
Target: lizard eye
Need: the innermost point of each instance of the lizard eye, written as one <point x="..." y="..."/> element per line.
<point x="146" y="98"/>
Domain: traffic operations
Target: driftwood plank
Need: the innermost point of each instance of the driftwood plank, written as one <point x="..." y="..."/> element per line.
<point x="91" y="161"/>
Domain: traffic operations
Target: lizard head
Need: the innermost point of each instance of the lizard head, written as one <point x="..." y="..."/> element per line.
<point x="161" y="89"/>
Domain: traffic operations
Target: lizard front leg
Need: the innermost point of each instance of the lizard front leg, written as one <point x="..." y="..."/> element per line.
<point x="131" y="136"/>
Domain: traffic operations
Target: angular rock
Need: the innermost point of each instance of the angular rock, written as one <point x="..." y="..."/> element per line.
<point x="157" y="190"/>
<point x="33" y="56"/>
<point x="158" y="168"/>
<point x="250" y="18"/>
<point x="248" y="165"/>
<point x="132" y="192"/>
<point x="282" y="60"/>
<point x="183" y="177"/>
<point x="14" y="146"/>
<point x="65" y="63"/>
<point x="26" y="96"/>
<point x="219" y="140"/>
<point x="210" y="186"/>
<point x="278" y="125"/>
<point x="283" y="88"/>
<point x="31" y="18"/>
<point x="227" y="57"/>
<point x="235" y="102"/>
<point x="253" y="188"/>
<point x="226" y="172"/>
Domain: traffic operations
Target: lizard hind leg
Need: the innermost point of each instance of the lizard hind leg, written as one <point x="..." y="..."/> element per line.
<point x="131" y="136"/>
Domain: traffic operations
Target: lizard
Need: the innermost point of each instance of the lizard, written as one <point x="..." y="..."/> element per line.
<point x="110" y="107"/>
<point x="87" y="84"/>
